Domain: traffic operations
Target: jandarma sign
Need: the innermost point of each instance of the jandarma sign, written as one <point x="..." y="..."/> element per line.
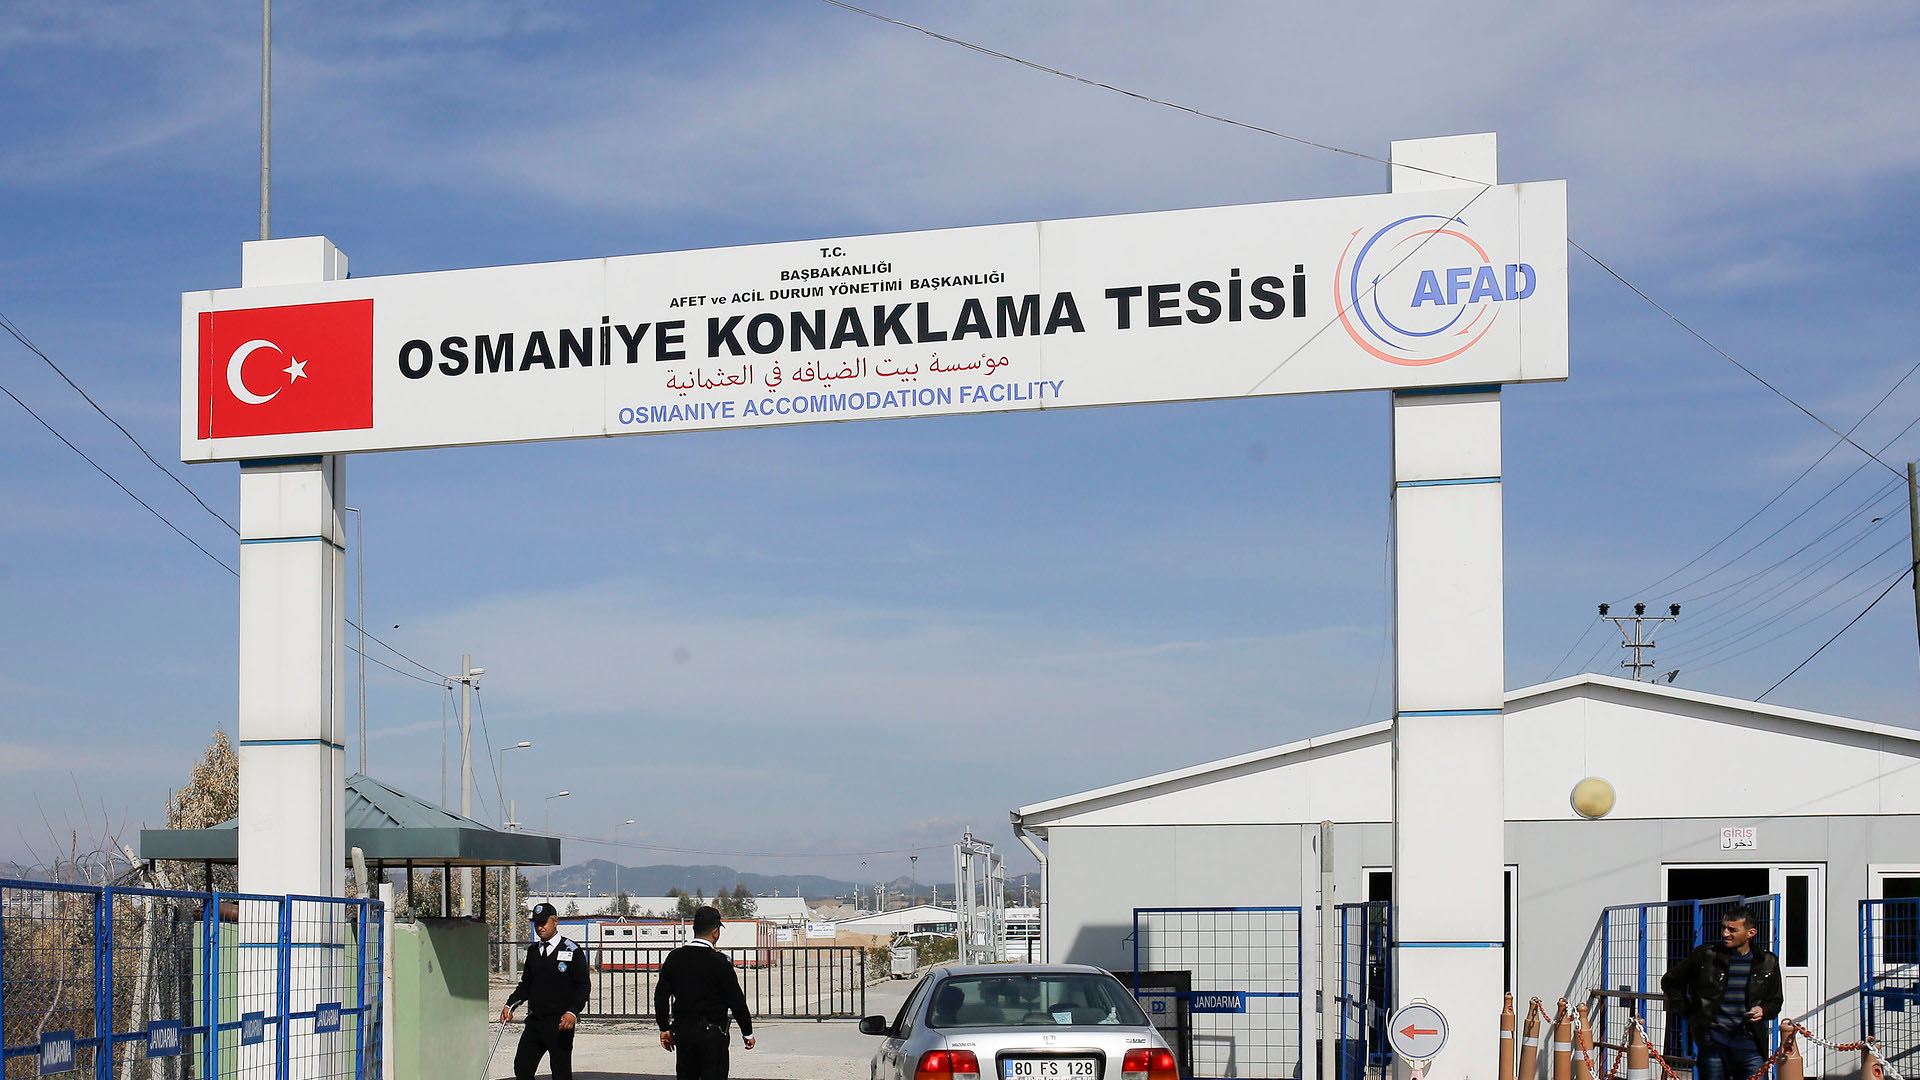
<point x="1371" y="292"/>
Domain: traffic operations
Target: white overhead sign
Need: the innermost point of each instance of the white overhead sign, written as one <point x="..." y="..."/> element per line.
<point x="1417" y="289"/>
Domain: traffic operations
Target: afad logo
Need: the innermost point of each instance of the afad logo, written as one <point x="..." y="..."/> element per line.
<point x="1440" y="295"/>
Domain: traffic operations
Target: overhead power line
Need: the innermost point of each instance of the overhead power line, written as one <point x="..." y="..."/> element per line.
<point x="1134" y="94"/>
<point x="1791" y="484"/>
<point x="7" y="324"/>
<point x="1728" y="357"/>
<point x="11" y="329"/>
<point x="115" y="481"/>
<point x="1710" y="653"/>
<point x="1333" y="149"/>
<point x="1836" y="636"/>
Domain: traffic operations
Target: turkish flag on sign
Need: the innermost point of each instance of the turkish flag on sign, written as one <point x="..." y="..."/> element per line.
<point x="283" y="370"/>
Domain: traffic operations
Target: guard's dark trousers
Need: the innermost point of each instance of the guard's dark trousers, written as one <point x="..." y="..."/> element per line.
<point x="700" y="1051"/>
<point x="542" y="1036"/>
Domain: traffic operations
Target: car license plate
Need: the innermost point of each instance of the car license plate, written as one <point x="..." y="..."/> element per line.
<point x="1072" y="1068"/>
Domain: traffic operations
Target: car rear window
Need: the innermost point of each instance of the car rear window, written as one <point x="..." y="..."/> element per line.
<point x="1032" y="999"/>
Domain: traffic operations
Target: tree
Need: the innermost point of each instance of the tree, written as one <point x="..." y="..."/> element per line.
<point x="684" y="906"/>
<point x="739" y="905"/>
<point x="622" y="904"/>
<point x="573" y="909"/>
<point x="210" y="797"/>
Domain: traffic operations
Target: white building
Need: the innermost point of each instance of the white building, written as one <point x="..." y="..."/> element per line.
<point x="1833" y="806"/>
<point x="783" y="910"/>
<point x="902" y="921"/>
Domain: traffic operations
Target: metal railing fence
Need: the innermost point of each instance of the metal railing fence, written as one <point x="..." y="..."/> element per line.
<point x="782" y="982"/>
<point x="159" y="984"/>
<point x="1365" y="990"/>
<point x="1890" y="978"/>
<point x="1631" y="948"/>
<point x="1238" y="1014"/>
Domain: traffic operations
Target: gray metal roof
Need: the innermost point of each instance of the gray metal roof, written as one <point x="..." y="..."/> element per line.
<point x="388" y="826"/>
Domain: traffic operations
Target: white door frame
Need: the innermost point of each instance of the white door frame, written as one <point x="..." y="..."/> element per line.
<point x="1814" y="972"/>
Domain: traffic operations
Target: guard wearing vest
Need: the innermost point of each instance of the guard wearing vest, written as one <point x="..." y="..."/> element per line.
<point x="555" y="983"/>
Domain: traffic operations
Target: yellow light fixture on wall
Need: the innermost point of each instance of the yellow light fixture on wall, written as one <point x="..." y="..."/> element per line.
<point x="1592" y="798"/>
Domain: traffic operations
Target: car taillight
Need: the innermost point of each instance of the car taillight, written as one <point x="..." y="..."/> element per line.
<point x="947" y="1064"/>
<point x="1145" y="1064"/>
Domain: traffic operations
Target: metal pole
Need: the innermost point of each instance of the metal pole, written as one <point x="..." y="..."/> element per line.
<point x="512" y="915"/>
<point x="1913" y="534"/>
<point x="466" y="770"/>
<point x="266" y="113"/>
<point x="616" y="856"/>
<point x="1329" y="1029"/>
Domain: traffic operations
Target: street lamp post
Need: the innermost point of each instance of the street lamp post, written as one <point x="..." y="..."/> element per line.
<point x="546" y="829"/>
<point x="616" y="858"/>
<point x="500" y="781"/>
<point x="913" y="879"/>
<point x="510" y="910"/>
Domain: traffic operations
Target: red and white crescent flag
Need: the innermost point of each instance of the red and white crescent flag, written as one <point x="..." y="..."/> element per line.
<point x="284" y="370"/>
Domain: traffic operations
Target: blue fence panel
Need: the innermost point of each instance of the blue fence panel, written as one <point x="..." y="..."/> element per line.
<point x="1229" y="979"/>
<point x="156" y="984"/>
<point x="1890" y="978"/>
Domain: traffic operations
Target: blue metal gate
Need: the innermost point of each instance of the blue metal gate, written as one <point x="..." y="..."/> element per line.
<point x="159" y="984"/>
<point x="1631" y="948"/>
<point x="1365" y="993"/>
<point x="1890" y="978"/>
<point x="1230" y="980"/>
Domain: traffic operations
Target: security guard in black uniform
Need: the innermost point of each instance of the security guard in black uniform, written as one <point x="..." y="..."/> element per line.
<point x="696" y="989"/>
<point x="555" y="984"/>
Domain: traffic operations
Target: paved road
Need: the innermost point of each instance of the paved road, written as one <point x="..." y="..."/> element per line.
<point x="787" y="1049"/>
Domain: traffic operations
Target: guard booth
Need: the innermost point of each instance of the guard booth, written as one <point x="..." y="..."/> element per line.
<point x="435" y="967"/>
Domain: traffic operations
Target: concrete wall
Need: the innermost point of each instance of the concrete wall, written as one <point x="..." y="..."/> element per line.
<point x="440" y="1007"/>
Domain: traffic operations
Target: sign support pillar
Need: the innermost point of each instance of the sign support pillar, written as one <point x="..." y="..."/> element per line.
<point x="292" y="692"/>
<point x="1449" y="678"/>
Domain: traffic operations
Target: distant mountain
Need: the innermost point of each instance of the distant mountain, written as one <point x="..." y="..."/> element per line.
<point x="709" y="880"/>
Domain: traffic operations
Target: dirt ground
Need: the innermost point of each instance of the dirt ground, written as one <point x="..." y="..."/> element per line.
<point x="786" y="1049"/>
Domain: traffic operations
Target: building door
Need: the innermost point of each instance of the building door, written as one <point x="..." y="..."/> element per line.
<point x="1802" y="927"/>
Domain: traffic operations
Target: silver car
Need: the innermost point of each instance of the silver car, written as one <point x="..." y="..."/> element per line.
<point x="1020" y="1022"/>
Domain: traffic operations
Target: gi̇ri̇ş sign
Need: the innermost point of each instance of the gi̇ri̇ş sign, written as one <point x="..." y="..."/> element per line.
<point x="1415" y="289"/>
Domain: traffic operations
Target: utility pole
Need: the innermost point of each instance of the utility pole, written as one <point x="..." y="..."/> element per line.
<point x="1913" y="534"/>
<point x="1635" y="641"/>
<point x="468" y="673"/>
<point x="266" y="113"/>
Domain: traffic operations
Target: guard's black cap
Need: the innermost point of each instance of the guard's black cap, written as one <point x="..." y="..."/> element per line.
<point x="543" y="912"/>
<point x="705" y="919"/>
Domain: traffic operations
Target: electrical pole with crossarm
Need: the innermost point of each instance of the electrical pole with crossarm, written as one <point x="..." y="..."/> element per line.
<point x="1639" y="645"/>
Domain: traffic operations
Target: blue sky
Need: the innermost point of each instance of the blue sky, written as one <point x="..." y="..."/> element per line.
<point x="864" y="637"/>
